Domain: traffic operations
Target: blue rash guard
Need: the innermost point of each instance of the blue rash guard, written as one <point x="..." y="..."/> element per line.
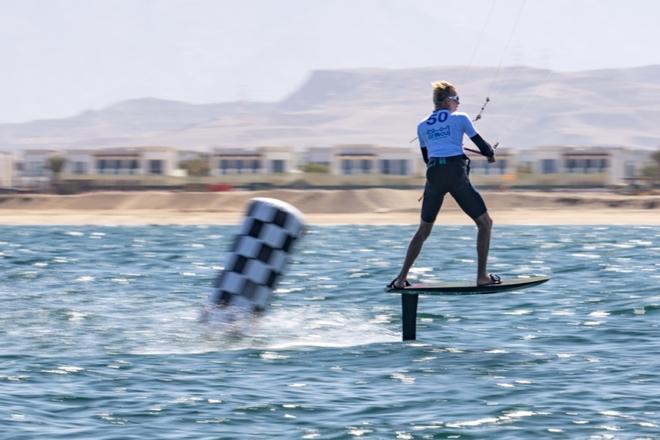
<point x="442" y="133"/>
<point x="441" y="140"/>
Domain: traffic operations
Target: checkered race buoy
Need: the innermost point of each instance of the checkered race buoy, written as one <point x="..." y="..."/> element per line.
<point x="258" y="256"/>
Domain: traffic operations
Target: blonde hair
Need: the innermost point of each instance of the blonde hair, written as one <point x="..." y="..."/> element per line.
<point x="442" y="90"/>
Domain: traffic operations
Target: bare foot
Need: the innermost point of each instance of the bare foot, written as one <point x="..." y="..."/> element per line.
<point x="488" y="280"/>
<point x="399" y="283"/>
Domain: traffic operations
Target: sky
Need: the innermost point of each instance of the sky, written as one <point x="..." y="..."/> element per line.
<point x="61" y="57"/>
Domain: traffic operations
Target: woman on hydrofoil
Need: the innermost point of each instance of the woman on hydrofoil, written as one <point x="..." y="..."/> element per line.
<point x="441" y="141"/>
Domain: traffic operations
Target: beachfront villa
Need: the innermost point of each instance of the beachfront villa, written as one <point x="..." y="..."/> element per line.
<point x="155" y="161"/>
<point x="358" y="159"/>
<point x="34" y="163"/>
<point x="264" y="160"/>
<point x="106" y="161"/>
<point x="588" y="165"/>
<point x="368" y="164"/>
<point x="32" y="170"/>
<point x="79" y="162"/>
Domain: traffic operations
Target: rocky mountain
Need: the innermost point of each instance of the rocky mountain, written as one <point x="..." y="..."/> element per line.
<point x="529" y="107"/>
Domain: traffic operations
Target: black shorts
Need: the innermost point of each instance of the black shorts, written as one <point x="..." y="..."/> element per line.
<point x="450" y="175"/>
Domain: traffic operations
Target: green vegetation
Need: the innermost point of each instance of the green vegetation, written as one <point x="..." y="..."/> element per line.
<point x="314" y="168"/>
<point x="195" y="167"/>
<point x="652" y="171"/>
<point x="56" y="165"/>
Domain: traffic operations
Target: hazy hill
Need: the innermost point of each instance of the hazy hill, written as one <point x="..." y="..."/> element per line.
<point x="528" y="107"/>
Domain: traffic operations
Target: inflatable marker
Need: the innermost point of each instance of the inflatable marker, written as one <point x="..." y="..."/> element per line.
<point x="258" y="256"/>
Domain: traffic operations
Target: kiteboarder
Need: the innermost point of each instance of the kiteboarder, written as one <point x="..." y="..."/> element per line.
<point x="441" y="142"/>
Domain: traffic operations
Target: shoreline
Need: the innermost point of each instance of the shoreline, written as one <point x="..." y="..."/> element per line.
<point x="171" y="217"/>
<point x="376" y="206"/>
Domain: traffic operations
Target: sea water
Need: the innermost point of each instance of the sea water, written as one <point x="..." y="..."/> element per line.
<point x="100" y="337"/>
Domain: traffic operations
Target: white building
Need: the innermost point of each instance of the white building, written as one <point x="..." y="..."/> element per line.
<point x="79" y="162"/>
<point x="33" y="169"/>
<point x="160" y="161"/>
<point x="117" y="161"/>
<point x="34" y="163"/>
<point x="370" y="159"/>
<point x="606" y="165"/>
<point x="279" y="160"/>
<point x="6" y="170"/>
<point x="627" y="164"/>
<point x="399" y="161"/>
<point x="262" y="160"/>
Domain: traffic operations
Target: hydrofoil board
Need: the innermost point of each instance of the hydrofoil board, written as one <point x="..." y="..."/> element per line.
<point x="470" y="288"/>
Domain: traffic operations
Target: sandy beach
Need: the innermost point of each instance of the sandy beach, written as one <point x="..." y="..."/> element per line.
<point x="324" y="207"/>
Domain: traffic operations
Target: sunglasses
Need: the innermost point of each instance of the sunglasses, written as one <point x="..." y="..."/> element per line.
<point x="454" y="98"/>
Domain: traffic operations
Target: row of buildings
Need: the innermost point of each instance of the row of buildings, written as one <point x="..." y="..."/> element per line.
<point x="542" y="165"/>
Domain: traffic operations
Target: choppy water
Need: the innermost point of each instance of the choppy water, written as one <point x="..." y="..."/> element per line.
<point x="100" y="338"/>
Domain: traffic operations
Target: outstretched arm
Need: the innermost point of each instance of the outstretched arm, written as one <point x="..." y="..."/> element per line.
<point x="484" y="147"/>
